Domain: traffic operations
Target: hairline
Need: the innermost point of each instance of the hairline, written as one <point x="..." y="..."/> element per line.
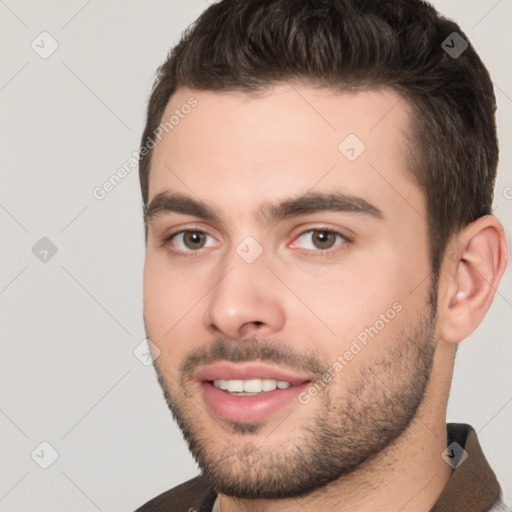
<point x="412" y="155"/>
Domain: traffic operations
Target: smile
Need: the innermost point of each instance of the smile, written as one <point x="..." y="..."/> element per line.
<point x="248" y="392"/>
<point x="250" y="387"/>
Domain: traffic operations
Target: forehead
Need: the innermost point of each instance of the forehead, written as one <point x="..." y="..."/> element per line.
<point x="234" y="149"/>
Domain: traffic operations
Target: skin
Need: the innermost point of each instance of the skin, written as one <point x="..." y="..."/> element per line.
<point x="235" y="152"/>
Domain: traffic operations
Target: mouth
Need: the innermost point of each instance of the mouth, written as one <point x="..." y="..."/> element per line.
<point x="250" y="387"/>
<point x="248" y="392"/>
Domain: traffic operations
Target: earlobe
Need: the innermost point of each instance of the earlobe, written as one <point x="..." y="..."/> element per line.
<point x="469" y="281"/>
<point x="457" y="298"/>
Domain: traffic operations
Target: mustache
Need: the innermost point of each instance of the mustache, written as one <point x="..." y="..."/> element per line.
<point x="249" y="350"/>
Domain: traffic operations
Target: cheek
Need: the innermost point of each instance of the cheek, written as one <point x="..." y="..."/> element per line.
<point x="166" y="297"/>
<point x="156" y="295"/>
<point x="172" y="307"/>
<point x="369" y="298"/>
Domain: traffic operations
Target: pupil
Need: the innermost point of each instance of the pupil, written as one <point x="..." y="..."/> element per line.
<point x="193" y="239"/>
<point x="323" y="239"/>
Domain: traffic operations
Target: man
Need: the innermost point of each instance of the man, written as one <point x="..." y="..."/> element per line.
<point x="317" y="179"/>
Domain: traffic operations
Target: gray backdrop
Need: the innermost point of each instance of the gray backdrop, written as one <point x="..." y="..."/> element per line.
<point x="72" y="109"/>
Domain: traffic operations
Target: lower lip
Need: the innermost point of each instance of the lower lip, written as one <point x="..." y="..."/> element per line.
<point x="246" y="409"/>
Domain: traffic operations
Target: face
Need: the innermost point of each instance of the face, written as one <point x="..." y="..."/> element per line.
<point x="286" y="283"/>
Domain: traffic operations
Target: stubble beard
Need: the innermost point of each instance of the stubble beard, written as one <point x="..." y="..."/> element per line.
<point x="352" y="421"/>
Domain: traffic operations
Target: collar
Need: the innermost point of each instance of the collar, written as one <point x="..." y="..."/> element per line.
<point x="473" y="486"/>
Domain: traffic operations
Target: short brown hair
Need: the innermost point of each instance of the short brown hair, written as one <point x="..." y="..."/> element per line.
<point x="250" y="45"/>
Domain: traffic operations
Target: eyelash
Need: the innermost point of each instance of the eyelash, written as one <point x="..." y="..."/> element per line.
<point x="314" y="253"/>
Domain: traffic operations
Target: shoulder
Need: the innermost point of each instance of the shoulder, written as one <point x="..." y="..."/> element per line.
<point x="192" y="496"/>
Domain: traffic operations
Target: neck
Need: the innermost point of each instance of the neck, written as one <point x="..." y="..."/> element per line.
<point x="408" y="475"/>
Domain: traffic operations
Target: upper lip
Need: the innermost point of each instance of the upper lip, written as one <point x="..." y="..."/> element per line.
<point x="227" y="370"/>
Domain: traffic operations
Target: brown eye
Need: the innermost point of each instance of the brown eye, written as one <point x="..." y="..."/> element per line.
<point x="190" y="241"/>
<point x="194" y="239"/>
<point x="324" y="239"/>
<point x="320" y="240"/>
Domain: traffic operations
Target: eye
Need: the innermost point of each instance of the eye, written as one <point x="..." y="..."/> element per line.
<point x="190" y="241"/>
<point x="320" y="239"/>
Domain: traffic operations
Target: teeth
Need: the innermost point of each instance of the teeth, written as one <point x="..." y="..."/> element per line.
<point x="235" y="385"/>
<point x="268" y="385"/>
<point x="221" y="384"/>
<point x="250" y="386"/>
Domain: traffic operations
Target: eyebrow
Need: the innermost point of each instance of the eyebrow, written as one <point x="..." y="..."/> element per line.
<point x="269" y="213"/>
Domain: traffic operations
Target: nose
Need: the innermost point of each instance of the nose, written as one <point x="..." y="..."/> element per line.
<point x="245" y="301"/>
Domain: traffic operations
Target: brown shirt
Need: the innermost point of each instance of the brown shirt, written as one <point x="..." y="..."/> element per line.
<point x="472" y="487"/>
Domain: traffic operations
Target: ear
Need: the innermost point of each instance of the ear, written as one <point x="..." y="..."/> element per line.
<point x="473" y="265"/>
